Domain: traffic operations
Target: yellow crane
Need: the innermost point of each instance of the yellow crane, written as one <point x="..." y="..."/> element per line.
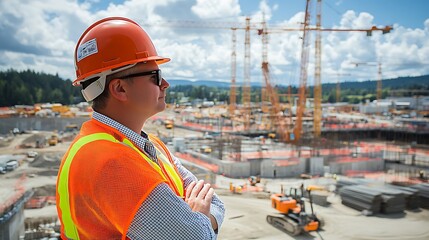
<point x="293" y="135"/>
<point x="379" y="78"/>
<point x="338" y="86"/>
<point x="233" y="91"/>
<point x="285" y="134"/>
<point x="317" y="116"/>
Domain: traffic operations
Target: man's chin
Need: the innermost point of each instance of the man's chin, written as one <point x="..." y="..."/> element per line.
<point x="161" y="106"/>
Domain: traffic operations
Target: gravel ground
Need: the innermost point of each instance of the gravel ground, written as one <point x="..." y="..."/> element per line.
<point x="245" y="214"/>
<point x="245" y="219"/>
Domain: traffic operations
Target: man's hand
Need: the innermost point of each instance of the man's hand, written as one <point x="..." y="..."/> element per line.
<point x="199" y="197"/>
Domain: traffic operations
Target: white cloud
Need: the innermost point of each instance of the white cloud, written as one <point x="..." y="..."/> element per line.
<point x="207" y="9"/>
<point x="264" y="9"/>
<point x="44" y="38"/>
<point x="350" y="20"/>
<point x="398" y="51"/>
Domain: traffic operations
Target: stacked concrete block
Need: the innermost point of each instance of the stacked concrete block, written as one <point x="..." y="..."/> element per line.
<point x="282" y="168"/>
<point x="423" y="189"/>
<point x="362" y="198"/>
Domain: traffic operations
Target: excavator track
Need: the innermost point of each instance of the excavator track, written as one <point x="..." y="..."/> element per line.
<point x="285" y="224"/>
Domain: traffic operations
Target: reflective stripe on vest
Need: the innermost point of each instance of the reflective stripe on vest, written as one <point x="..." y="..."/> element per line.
<point x="172" y="173"/>
<point x="70" y="229"/>
<point x="164" y="155"/>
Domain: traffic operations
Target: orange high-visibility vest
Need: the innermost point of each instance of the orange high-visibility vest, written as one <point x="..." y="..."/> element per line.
<point x="103" y="180"/>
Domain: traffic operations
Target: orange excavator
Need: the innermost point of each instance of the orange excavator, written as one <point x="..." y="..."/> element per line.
<point x="292" y="217"/>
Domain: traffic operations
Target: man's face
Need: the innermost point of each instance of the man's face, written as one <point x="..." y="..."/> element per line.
<point x="145" y="97"/>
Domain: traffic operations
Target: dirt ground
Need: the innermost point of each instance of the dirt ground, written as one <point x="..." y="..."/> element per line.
<point x="245" y="214"/>
<point x="246" y="219"/>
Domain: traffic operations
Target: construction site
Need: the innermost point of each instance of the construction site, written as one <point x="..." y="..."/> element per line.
<point x="286" y="166"/>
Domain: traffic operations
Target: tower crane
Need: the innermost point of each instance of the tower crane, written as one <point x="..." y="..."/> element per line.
<point x="379" y="78"/>
<point x="275" y="111"/>
<point x="286" y="135"/>
<point x="303" y="75"/>
<point x="317" y="116"/>
<point x="338" y="87"/>
<point x="233" y="91"/>
<point x="246" y="83"/>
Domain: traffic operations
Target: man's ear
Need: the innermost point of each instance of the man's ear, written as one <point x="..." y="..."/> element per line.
<point x="117" y="89"/>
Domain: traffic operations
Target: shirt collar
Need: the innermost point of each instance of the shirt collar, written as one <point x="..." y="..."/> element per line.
<point x="137" y="139"/>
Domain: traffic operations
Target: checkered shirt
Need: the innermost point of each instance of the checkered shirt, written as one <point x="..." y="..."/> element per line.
<point x="163" y="215"/>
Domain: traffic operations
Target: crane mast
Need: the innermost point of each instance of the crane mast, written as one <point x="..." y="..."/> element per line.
<point x="317" y="116"/>
<point x="275" y="111"/>
<point x="283" y="124"/>
<point x="233" y="88"/>
<point x="379" y="82"/>
<point x="246" y="84"/>
<point x="303" y="76"/>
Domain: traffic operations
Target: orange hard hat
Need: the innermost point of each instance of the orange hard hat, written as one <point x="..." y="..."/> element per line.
<point x="111" y="45"/>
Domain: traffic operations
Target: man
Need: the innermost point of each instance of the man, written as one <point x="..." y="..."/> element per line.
<point x="115" y="181"/>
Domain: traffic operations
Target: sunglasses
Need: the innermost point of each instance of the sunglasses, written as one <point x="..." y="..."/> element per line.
<point x="157" y="73"/>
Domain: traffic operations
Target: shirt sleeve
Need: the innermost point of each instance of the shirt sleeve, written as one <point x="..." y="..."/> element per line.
<point x="217" y="209"/>
<point x="165" y="216"/>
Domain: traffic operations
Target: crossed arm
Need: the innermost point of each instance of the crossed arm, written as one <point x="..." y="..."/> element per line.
<point x="198" y="217"/>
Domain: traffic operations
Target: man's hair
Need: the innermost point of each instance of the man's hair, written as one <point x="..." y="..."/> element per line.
<point x="100" y="102"/>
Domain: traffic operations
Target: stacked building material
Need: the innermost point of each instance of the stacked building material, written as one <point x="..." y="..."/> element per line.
<point x="393" y="200"/>
<point x="344" y="181"/>
<point x="412" y="200"/>
<point x="423" y="194"/>
<point x="361" y="198"/>
<point x="392" y="204"/>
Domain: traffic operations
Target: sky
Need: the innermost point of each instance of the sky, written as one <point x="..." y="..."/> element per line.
<point x="41" y="36"/>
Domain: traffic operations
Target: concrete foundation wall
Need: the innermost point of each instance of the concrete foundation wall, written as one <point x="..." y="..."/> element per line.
<point x="410" y="159"/>
<point x="204" y="157"/>
<point x="344" y="167"/>
<point x="316" y="166"/>
<point x="235" y="169"/>
<point x="396" y="156"/>
<point x="271" y="169"/>
<point x="422" y="160"/>
<point x="13" y="228"/>
<point x="403" y="168"/>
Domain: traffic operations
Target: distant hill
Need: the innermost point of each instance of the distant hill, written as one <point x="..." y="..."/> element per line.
<point x="395" y="83"/>
<point x="208" y="83"/>
<point x="29" y="87"/>
<point x="352" y="92"/>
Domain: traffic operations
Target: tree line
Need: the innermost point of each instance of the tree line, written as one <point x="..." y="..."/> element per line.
<point x="30" y="87"/>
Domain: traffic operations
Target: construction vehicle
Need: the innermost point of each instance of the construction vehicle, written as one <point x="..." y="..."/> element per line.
<point x="235" y="189"/>
<point x="205" y="149"/>
<point x="272" y="135"/>
<point x="53" y="140"/>
<point x="292" y="217"/>
<point x="253" y="180"/>
<point x="71" y="128"/>
<point x="168" y="124"/>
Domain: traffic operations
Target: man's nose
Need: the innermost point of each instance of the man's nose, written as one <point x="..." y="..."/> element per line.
<point x="164" y="84"/>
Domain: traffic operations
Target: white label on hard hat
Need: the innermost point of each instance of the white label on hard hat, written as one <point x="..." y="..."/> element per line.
<point x="87" y="49"/>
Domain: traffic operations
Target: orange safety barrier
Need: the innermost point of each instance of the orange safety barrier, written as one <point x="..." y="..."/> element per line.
<point x="188" y="157"/>
<point x="285" y="163"/>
